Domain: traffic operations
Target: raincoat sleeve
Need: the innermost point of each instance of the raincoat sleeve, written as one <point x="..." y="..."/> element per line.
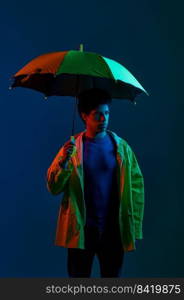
<point x="57" y="176"/>
<point x="137" y="187"/>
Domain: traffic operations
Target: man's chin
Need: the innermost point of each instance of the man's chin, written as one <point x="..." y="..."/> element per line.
<point x="101" y="129"/>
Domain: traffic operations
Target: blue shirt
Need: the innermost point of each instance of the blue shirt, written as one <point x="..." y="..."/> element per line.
<point x="100" y="180"/>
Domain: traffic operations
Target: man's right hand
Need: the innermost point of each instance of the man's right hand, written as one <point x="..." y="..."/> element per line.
<point x="68" y="150"/>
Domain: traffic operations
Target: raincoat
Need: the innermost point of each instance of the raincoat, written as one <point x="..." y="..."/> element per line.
<point x="70" y="181"/>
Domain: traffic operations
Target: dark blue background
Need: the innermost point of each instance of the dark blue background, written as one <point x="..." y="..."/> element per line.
<point x="147" y="38"/>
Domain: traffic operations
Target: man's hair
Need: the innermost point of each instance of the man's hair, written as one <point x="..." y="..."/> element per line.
<point x="88" y="100"/>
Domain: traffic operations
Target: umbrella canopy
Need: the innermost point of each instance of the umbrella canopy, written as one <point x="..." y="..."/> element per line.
<point x="68" y="73"/>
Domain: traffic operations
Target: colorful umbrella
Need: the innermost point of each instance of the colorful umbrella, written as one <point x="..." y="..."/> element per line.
<point x="68" y="73"/>
<point x="71" y="72"/>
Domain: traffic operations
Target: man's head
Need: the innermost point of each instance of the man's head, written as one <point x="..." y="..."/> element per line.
<point x="93" y="108"/>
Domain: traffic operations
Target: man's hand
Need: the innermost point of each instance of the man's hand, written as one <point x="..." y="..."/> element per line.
<point x="68" y="151"/>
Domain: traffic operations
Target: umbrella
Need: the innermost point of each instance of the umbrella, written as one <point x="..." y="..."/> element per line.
<point x="68" y="73"/>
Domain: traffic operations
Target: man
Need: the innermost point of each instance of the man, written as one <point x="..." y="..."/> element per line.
<point x="102" y="209"/>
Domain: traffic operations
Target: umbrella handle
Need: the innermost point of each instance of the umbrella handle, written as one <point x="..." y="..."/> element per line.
<point x="72" y="140"/>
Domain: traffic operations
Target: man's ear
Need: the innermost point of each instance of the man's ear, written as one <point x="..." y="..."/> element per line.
<point x="83" y="116"/>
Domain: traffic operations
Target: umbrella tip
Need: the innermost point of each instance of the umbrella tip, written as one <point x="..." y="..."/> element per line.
<point x="45" y="97"/>
<point x="146" y="92"/>
<point x="81" y="47"/>
<point x="10" y="88"/>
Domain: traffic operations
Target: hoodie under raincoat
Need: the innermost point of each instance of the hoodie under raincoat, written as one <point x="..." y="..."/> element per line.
<point x="72" y="214"/>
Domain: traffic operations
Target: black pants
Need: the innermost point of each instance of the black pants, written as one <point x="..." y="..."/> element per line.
<point x="106" y="245"/>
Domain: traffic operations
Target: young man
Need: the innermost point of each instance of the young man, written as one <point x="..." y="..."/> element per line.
<point x="102" y="209"/>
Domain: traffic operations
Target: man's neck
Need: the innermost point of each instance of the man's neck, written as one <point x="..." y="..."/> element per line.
<point x="95" y="135"/>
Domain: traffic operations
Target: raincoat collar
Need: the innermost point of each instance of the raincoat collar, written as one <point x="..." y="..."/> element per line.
<point x="117" y="139"/>
<point x="79" y="144"/>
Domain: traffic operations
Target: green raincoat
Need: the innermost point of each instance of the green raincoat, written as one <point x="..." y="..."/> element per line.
<point x="72" y="214"/>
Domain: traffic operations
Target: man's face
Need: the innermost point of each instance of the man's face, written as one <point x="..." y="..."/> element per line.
<point x="97" y="120"/>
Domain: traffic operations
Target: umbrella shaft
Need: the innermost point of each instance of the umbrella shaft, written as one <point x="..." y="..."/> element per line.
<point x="74" y="115"/>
